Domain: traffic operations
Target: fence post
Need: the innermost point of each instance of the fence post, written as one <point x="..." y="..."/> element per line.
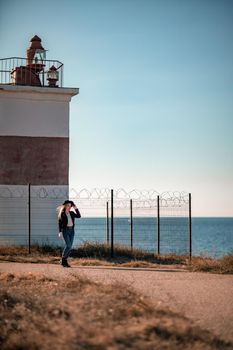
<point x="112" y="226"/>
<point x="190" y="227"/>
<point x="131" y="224"/>
<point x="107" y="223"/>
<point x="158" y="226"/>
<point x="29" y="218"/>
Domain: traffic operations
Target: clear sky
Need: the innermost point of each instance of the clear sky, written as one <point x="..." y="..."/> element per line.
<point x="155" y="108"/>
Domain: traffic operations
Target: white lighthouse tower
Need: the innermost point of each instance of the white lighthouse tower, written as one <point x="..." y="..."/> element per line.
<point x="34" y="121"/>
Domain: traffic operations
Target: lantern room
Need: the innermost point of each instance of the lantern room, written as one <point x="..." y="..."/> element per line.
<point x="34" y="70"/>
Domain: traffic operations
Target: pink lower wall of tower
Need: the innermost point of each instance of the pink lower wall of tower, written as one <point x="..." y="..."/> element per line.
<point x="35" y="160"/>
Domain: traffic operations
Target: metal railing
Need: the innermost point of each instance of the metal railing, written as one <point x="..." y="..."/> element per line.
<point x="16" y="71"/>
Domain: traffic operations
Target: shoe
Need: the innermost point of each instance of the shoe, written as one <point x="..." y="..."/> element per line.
<point x="64" y="263"/>
<point x="67" y="265"/>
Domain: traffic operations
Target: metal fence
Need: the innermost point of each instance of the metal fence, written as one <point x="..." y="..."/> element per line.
<point x="16" y="71"/>
<point x="146" y="220"/>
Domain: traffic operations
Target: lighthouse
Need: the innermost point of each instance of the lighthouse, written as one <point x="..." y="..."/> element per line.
<point x="34" y="122"/>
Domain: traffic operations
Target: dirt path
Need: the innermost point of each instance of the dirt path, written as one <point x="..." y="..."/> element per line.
<point x="205" y="298"/>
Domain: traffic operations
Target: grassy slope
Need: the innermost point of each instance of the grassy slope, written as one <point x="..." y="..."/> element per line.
<point x="41" y="313"/>
<point x="99" y="254"/>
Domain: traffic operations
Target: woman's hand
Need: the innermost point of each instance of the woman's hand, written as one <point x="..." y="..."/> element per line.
<point x="60" y="235"/>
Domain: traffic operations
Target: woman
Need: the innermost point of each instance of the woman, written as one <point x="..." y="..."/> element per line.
<point x="66" y="217"/>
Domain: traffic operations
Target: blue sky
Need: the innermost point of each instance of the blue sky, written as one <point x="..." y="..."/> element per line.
<point x="155" y="108"/>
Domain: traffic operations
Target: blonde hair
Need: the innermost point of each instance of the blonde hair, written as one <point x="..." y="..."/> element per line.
<point x="60" y="209"/>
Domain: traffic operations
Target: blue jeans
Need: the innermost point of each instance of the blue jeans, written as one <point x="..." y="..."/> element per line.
<point x="68" y="235"/>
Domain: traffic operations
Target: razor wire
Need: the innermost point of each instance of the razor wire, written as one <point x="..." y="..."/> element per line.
<point x="145" y="199"/>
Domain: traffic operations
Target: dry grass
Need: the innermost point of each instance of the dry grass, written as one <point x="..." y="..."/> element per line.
<point x="223" y="265"/>
<point x="41" y="313"/>
<point x="88" y="251"/>
<point x="36" y="250"/>
<point x="90" y="254"/>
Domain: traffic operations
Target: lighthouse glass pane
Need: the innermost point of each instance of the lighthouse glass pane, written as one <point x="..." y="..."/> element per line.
<point x="39" y="56"/>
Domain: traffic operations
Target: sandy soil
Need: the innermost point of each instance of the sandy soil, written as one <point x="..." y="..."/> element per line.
<point x="207" y="299"/>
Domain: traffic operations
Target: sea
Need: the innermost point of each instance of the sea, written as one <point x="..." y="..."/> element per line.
<point x="211" y="237"/>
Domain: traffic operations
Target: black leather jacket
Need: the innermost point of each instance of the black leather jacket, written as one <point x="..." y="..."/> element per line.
<point x="63" y="221"/>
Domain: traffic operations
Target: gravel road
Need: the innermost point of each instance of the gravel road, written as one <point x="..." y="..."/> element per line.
<point x="207" y="299"/>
